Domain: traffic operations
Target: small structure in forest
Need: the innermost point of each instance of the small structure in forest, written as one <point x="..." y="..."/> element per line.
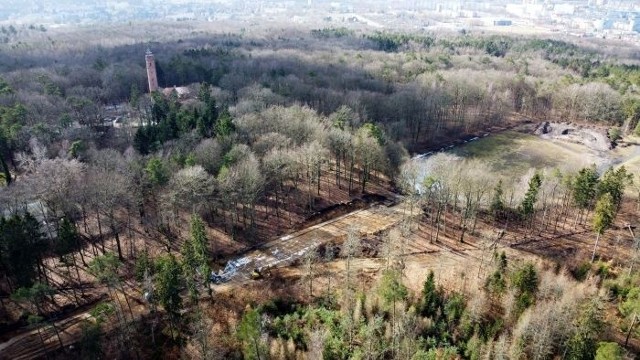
<point x="181" y="91"/>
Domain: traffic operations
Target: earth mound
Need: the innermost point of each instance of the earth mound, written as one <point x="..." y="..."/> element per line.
<point x="593" y="138"/>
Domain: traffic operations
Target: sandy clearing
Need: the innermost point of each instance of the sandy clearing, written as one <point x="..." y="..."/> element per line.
<point x="287" y="249"/>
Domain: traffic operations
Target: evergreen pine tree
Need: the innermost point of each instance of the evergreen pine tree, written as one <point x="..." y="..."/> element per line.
<point x="497" y="202"/>
<point x="530" y="198"/>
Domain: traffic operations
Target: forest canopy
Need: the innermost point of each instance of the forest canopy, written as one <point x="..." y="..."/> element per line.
<point x="138" y="209"/>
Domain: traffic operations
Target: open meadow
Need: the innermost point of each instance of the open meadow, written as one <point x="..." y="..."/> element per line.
<point x="514" y="153"/>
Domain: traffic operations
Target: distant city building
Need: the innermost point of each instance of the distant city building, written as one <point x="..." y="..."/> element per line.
<point x="502" y="23"/>
<point x="628" y="24"/>
<point x="564" y="9"/>
<point x="529" y="10"/>
<point x="603" y="24"/>
<point x="468" y="14"/>
<point x="635" y="24"/>
<point x="152" y="76"/>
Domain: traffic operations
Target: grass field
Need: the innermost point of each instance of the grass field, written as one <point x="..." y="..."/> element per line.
<point x="630" y="155"/>
<point x="513" y="153"/>
<point x="633" y="165"/>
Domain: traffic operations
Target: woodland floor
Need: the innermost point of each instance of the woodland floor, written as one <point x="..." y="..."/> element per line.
<point x="459" y="266"/>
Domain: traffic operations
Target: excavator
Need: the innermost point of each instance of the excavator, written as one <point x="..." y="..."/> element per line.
<point x="259" y="273"/>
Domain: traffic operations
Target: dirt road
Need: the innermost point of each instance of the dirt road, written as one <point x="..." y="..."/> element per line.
<point x="31" y="344"/>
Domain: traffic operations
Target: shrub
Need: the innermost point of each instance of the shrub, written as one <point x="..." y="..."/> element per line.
<point x="603" y="270"/>
<point x="581" y="271"/>
<point x="525" y="280"/>
<point x="609" y="351"/>
<point x="615" y="134"/>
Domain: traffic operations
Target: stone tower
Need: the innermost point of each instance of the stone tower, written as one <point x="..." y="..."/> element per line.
<point x="151" y="71"/>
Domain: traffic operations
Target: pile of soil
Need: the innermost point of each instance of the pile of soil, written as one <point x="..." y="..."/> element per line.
<point x="591" y="137"/>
